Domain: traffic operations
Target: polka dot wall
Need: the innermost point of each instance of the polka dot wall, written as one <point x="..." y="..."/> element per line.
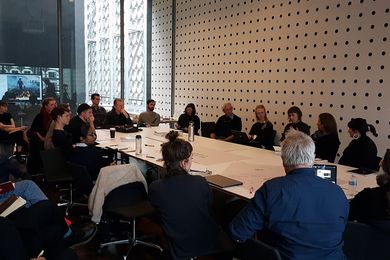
<point x="323" y="56"/>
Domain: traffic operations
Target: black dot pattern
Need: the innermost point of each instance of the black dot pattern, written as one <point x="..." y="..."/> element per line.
<point x="323" y="56"/>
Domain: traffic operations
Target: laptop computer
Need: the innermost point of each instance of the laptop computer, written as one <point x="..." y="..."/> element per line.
<point x="240" y="136"/>
<point x="222" y="181"/>
<point x="326" y="171"/>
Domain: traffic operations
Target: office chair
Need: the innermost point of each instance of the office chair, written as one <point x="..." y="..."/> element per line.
<point x="256" y="249"/>
<point x="129" y="210"/>
<point x="56" y="171"/>
<point x="206" y="128"/>
<point x="362" y="241"/>
<point x="7" y="148"/>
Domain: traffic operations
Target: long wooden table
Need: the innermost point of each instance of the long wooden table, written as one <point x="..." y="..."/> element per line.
<point x="252" y="166"/>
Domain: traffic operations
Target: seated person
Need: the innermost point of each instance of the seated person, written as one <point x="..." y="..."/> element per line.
<point x="62" y="139"/>
<point x="99" y="112"/>
<point x="295" y="117"/>
<point x="86" y="154"/>
<point x="9" y="132"/>
<point x="118" y="115"/>
<point x="302" y="215"/>
<point x="361" y="151"/>
<point x="84" y="116"/>
<point x="41" y="224"/>
<point x="9" y="167"/>
<point x="326" y="137"/>
<point x="188" y="116"/>
<point x="262" y="132"/>
<point x="183" y="202"/>
<point x="149" y="117"/>
<point x="226" y="123"/>
<point x="372" y="205"/>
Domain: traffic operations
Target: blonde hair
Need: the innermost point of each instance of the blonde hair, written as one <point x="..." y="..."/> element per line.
<point x="265" y="112"/>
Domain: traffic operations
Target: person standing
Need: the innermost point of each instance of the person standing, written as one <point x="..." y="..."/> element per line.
<point x="99" y="112"/>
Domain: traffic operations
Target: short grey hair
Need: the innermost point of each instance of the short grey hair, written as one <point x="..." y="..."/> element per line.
<point x="298" y="149"/>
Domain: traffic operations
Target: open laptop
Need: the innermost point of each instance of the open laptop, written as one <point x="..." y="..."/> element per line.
<point x="326" y="171"/>
<point x="240" y="136"/>
<point x="222" y="181"/>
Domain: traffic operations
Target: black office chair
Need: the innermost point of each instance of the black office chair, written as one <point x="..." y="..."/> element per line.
<point x="56" y="171"/>
<point x="255" y="249"/>
<point x="207" y="128"/>
<point x="362" y="241"/>
<point x="116" y="209"/>
<point x="7" y="148"/>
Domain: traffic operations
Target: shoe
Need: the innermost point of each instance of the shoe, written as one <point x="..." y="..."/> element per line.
<point x="81" y="236"/>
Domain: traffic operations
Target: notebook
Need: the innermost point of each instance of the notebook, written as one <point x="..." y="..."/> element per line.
<point x="326" y="171"/>
<point x="10" y="205"/>
<point x="241" y="136"/>
<point x="6" y="187"/>
<point x="222" y="181"/>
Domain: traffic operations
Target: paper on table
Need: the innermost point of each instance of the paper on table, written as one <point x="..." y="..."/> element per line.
<point x="128" y="139"/>
<point x="211" y="156"/>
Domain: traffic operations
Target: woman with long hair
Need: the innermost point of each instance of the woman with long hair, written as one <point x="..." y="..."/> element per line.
<point x="188" y="116"/>
<point x="262" y="131"/>
<point x="361" y="151"/>
<point x="183" y="202"/>
<point x="326" y="137"/>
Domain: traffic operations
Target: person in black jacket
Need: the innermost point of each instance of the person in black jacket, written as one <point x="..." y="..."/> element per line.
<point x="262" y="132"/>
<point x="361" y="151"/>
<point x="295" y="118"/>
<point x="372" y="205"/>
<point x="227" y="123"/>
<point x="61" y="138"/>
<point x="326" y="137"/>
<point x="84" y="116"/>
<point x="118" y="115"/>
<point x="183" y="203"/>
<point x="188" y="116"/>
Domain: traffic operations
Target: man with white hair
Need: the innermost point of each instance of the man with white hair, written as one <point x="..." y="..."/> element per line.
<point x="227" y="123"/>
<point x="302" y="215"/>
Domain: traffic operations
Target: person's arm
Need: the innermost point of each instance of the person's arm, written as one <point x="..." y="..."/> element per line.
<point x="250" y="219"/>
<point x="180" y="122"/>
<point x="124" y="112"/>
<point x="213" y="135"/>
<point x="229" y="138"/>
<point x="197" y="124"/>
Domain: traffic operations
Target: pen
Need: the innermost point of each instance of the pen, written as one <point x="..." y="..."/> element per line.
<point x="148" y="156"/>
<point x="41" y="253"/>
<point x="251" y="190"/>
<point x="150" y="145"/>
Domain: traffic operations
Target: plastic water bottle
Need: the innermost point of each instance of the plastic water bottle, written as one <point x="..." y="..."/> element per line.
<point x="138" y="144"/>
<point x="191" y="132"/>
<point x="352" y="185"/>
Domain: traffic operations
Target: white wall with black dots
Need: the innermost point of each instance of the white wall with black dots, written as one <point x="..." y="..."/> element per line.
<point x="322" y="56"/>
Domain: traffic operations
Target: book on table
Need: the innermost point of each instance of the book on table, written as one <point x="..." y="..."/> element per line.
<point x="11" y="204"/>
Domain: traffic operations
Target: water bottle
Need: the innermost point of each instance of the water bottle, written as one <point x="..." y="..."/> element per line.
<point x="352" y="185"/>
<point x="138" y="144"/>
<point x="191" y="132"/>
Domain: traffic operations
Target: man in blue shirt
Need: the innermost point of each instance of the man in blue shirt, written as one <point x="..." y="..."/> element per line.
<point x="302" y="215"/>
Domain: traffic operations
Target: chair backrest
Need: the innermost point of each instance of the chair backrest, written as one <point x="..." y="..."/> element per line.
<point x="55" y="168"/>
<point x="207" y="128"/>
<point x="255" y="249"/>
<point x="362" y="241"/>
<point x="82" y="181"/>
<point x="133" y="192"/>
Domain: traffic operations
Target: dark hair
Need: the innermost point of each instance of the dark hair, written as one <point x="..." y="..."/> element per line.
<point x="295" y="110"/>
<point x="84" y="130"/>
<point x="150" y="101"/>
<point x="329" y="123"/>
<point x="82" y="107"/>
<point x="46" y="101"/>
<point x="58" y="111"/>
<point x="191" y="105"/>
<point x="174" y="151"/>
<point x="117" y="100"/>
<point x="360" y="125"/>
<point x="383" y="180"/>
<point x="94" y="95"/>
<point x="3" y="104"/>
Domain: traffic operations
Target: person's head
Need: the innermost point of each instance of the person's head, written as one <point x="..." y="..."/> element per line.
<point x="327" y="124"/>
<point x="61" y="115"/>
<point x="3" y="107"/>
<point x="190" y="109"/>
<point x="118" y="105"/>
<point x="261" y="113"/>
<point x="294" y="114"/>
<point x="48" y="104"/>
<point x="177" y="154"/>
<point x="384" y="178"/>
<point x="297" y="151"/>
<point x="88" y="134"/>
<point x="358" y="127"/>
<point x="227" y="108"/>
<point x="95" y="98"/>
<point x="150" y="104"/>
<point x="84" y="111"/>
